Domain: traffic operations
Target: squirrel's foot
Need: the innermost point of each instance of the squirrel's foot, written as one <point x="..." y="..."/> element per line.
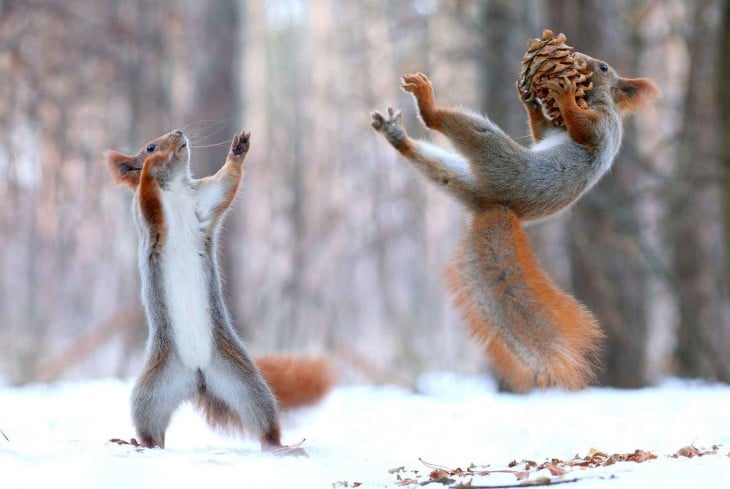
<point x="132" y="441"/>
<point x="240" y="144"/>
<point x="391" y="126"/>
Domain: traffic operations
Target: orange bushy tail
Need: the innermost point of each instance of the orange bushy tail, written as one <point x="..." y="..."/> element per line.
<point x="296" y="381"/>
<point x="535" y="334"/>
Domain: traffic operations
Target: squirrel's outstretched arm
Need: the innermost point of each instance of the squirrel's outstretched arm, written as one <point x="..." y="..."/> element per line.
<point x="217" y="192"/>
<point x="469" y="132"/>
<point x="445" y="169"/>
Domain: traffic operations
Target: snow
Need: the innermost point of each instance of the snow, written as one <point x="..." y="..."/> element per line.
<point x="57" y="437"/>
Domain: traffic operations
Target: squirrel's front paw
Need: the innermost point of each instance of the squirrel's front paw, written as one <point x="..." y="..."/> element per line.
<point x="391" y="126"/>
<point x="381" y="123"/>
<point x="240" y="144"/>
<point x="560" y="88"/>
<point x="418" y="84"/>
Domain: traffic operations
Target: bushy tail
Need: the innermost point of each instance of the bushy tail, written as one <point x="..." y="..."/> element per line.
<point x="535" y="334"/>
<point x="296" y="380"/>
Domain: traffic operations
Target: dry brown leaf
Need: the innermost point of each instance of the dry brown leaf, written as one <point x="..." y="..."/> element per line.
<point x="555" y="469"/>
<point x="692" y="451"/>
<point x="437" y="474"/>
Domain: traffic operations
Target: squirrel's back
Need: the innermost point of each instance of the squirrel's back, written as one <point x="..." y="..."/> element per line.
<point x="535" y="334"/>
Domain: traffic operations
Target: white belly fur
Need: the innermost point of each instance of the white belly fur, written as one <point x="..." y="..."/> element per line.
<point x="184" y="279"/>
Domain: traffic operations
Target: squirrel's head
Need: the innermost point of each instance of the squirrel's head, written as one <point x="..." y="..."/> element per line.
<point x="629" y="94"/>
<point x="126" y="169"/>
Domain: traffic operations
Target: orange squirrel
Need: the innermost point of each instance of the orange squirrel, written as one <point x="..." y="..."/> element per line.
<point x="192" y="350"/>
<point x="534" y="333"/>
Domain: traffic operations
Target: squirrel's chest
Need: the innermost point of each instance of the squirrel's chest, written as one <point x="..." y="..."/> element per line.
<point x="185" y="279"/>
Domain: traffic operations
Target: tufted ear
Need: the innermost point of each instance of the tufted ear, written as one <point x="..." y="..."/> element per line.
<point x="630" y="94"/>
<point x="125" y="169"/>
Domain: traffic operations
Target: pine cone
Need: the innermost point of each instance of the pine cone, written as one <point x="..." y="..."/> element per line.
<point x="549" y="58"/>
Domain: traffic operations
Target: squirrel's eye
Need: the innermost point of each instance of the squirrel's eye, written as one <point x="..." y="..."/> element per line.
<point x="603" y="67"/>
<point x="151" y="148"/>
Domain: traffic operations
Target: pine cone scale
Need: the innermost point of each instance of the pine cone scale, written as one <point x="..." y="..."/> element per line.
<point x="549" y="58"/>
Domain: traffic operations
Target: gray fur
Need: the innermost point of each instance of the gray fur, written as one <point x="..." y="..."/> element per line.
<point x="533" y="182"/>
<point x="231" y="380"/>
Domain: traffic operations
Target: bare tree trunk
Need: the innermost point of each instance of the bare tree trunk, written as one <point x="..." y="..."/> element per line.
<point x="609" y="275"/>
<point x="147" y="91"/>
<point x="703" y="348"/>
<point x="724" y="107"/>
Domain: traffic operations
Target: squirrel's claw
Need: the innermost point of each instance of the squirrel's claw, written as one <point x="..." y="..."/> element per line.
<point x="240" y="143"/>
<point x="380" y="122"/>
<point x="414" y="82"/>
<point x="377" y="120"/>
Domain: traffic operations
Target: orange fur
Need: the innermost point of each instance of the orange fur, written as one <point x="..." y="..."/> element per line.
<point x="296" y="381"/>
<point x="580" y="123"/>
<point x="535" y="334"/>
<point x="419" y="85"/>
<point x="125" y="169"/>
<point x="150" y="200"/>
<point x="631" y="94"/>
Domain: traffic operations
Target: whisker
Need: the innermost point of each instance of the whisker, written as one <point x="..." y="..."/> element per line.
<point x="204" y="129"/>
<point x="222" y="143"/>
<point x="204" y="123"/>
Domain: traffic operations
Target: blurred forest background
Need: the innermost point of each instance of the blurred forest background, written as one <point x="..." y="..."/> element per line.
<point x="335" y="245"/>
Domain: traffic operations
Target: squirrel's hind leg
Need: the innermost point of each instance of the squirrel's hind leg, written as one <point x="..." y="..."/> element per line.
<point x="235" y="395"/>
<point x="159" y="390"/>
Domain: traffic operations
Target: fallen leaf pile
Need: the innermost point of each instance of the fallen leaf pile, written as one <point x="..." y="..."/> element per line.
<point x="524" y="469"/>
<point x="549" y="58"/>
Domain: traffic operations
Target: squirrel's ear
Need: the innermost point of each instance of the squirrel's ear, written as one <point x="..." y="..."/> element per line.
<point x="125" y="169"/>
<point x="630" y="94"/>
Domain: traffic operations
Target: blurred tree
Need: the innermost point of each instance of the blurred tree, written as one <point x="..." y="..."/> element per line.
<point x="724" y="107"/>
<point x="696" y="223"/>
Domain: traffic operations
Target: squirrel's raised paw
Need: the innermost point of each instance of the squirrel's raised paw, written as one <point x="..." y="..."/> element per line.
<point x="240" y="144"/>
<point x="391" y="126"/>
<point x="380" y="123"/>
<point x="415" y="83"/>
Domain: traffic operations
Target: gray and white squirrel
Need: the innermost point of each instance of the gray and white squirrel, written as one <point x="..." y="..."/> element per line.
<point x="534" y="333"/>
<point x="192" y="351"/>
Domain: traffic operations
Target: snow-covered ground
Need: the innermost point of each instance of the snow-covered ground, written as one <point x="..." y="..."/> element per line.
<point x="57" y="437"/>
